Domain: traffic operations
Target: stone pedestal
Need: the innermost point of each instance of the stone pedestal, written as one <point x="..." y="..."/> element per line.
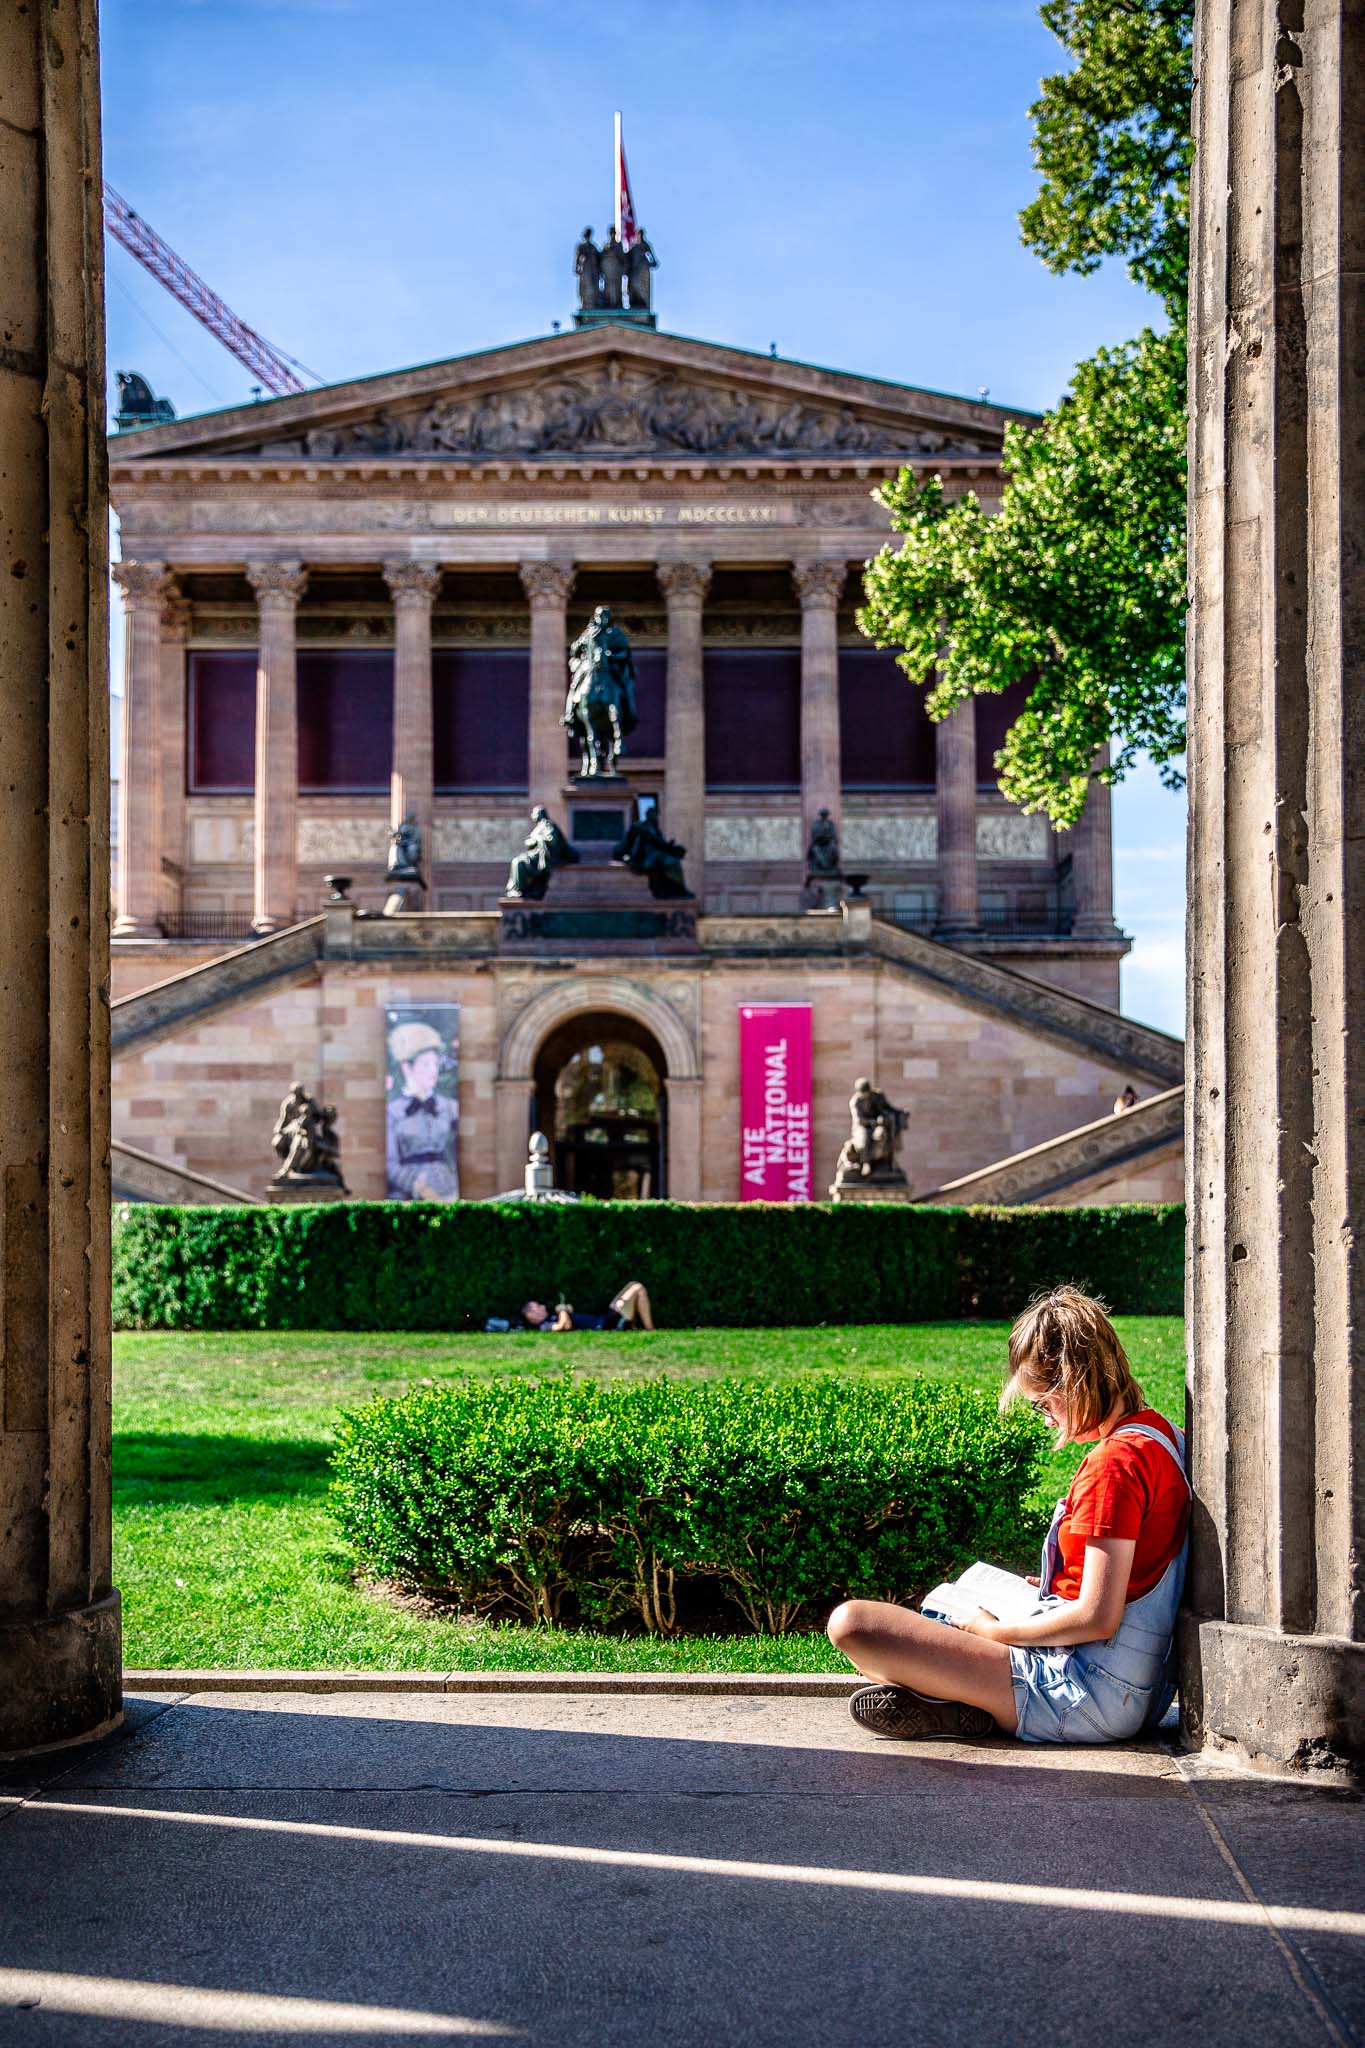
<point x="59" y="1614"/>
<point x="876" y="1188"/>
<point x="305" y="1187"/>
<point x="1274" y="1663"/>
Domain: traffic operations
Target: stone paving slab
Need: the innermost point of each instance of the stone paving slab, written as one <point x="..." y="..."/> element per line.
<point x="594" y="1871"/>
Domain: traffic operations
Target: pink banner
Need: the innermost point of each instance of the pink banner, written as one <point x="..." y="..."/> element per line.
<point x="774" y="1102"/>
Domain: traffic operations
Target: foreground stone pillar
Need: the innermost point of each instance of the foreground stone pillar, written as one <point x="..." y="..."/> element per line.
<point x="413" y="587"/>
<point x="1092" y="860"/>
<point x="176" y="619"/>
<point x="547" y="586"/>
<point x="959" y="912"/>
<point x="59" y="1615"/>
<point x="684" y="585"/>
<point x="818" y="585"/>
<point x="278" y="587"/>
<point x="144" y="586"/>
<point x="1274" y="1667"/>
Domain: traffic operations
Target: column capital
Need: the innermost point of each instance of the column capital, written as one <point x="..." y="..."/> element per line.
<point x="412" y="583"/>
<point x="547" y="582"/>
<point x="684" y="582"/>
<point x="143" y="584"/>
<point x="819" y="585"/>
<point x="278" y="585"/>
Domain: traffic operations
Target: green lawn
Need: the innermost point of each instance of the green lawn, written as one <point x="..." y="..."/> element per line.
<point x="226" y="1555"/>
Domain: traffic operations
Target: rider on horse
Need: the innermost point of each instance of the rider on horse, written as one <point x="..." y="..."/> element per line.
<point x="601" y="700"/>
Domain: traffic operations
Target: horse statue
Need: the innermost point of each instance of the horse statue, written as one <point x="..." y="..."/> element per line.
<point x="600" y="706"/>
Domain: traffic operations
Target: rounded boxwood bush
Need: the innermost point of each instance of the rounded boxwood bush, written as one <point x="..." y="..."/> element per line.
<point x="576" y="1500"/>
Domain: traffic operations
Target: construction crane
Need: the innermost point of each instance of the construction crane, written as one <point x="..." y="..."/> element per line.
<point x="276" y="372"/>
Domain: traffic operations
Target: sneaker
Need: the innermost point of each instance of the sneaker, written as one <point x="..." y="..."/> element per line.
<point x="897" y="1710"/>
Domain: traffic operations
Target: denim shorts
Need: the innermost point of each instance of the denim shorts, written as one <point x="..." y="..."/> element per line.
<point x="1101" y="1692"/>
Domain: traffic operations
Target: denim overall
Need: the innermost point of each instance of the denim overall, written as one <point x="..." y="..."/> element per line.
<point x="1110" y="1691"/>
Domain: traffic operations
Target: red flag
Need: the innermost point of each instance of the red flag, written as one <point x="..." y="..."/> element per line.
<point x="626" y="230"/>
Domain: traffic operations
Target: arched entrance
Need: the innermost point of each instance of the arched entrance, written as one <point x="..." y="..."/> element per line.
<point x="600" y="1098"/>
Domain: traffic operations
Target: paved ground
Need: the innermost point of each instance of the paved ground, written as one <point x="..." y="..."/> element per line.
<point x="584" y="1872"/>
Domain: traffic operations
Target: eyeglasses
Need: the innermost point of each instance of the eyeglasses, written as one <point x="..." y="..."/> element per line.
<point x="1039" y="1404"/>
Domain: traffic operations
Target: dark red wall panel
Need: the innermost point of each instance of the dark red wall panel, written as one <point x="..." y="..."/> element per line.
<point x="753" y="717"/>
<point x="221" y="723"/>
<point x="481" y="706"/>
<point x="886" y="737"/>
<point x="995" y="714"/>
<point x="345" y="720"/>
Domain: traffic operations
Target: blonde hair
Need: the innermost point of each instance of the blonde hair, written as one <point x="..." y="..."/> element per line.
<point x="1065" y="1344"/>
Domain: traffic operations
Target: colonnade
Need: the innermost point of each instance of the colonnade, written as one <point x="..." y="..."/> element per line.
<point x="152" y="823"/>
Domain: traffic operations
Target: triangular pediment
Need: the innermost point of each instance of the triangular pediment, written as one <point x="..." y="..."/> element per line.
<point x="607" y="392"/>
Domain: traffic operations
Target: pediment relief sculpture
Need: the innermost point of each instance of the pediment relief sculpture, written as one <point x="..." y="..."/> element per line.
<point x="616" y="411"/>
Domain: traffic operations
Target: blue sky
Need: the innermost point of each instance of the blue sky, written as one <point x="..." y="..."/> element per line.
<point x="372" y="183"/>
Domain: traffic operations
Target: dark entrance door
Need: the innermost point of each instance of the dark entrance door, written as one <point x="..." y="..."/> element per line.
<point x="600" y="1093"/>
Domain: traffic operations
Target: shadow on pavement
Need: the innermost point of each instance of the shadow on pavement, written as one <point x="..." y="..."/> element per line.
<point x="585" y="1871"/>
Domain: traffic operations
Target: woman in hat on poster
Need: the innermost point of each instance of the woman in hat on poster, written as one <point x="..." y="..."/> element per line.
<point x="421" y="1120"/>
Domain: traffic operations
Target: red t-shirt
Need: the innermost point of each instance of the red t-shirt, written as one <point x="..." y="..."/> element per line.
<point x="1126" y="1486"/>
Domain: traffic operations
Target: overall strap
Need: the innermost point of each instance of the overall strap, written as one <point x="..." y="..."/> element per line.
<point x="1157" y="1436"/>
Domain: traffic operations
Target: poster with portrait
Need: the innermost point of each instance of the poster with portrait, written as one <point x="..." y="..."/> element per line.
<point x="421" y="1125"/>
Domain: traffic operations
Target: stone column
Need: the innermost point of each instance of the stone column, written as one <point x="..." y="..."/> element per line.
<point x="818" y="585"/>
<point x="1274" y="1663"/>
<point x="60" y="1676"/>
<point x="684" y="585"/>
<point x="176" y="619"/>
<point x="144" y="586"/>
<point x="683" y="1166"/>
<point x="955" y="781"/>
<point x="413" y="587"/>
<point x="1092" y="860"/>
<point x="278" y="587"/>
<point x="547" y="586"/>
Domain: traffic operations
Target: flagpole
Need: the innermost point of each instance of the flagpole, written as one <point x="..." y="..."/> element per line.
<point x="616" y="174"/>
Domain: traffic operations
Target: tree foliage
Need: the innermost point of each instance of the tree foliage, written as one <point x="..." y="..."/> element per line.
<point x="1078" y="584"/>
<point x="1111" y="140"/>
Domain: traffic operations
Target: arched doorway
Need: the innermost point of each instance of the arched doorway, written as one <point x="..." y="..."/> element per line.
<point x="601" y="1100"/>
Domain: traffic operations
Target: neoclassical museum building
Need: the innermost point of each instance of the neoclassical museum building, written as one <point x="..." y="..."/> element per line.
<point x="353" y="605"/>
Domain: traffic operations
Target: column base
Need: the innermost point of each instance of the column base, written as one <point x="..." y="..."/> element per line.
<point x="956" y="928"/>
<point x="1274" y="1702"/>
<point x="63" y="1678"/>
<point x="127" y="927"/>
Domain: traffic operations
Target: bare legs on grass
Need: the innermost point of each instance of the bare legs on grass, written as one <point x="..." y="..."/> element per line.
<point x="633" y="1303"/>
<point x="896" y="1647"/>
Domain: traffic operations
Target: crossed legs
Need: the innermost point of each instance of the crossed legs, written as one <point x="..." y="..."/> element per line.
<point x="897" y="1647"/>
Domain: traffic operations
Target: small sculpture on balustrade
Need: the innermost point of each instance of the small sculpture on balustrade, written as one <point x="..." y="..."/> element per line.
<point x="822" y="854"/>
<point x="646" y="851"/>
<point x="545" y="849"/>
<point x="405" y="852"/>
<point x="306" y="1144"/>
<point x="868" y="1168"/>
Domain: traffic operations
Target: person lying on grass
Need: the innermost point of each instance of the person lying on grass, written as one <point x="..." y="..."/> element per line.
<point x="629" y="1309"/>
<point x="1093" y="1662"/>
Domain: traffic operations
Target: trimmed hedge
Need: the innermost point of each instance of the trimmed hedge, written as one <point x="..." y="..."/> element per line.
<point x="448" y="1266"/>
<point x="568" y="1500"/>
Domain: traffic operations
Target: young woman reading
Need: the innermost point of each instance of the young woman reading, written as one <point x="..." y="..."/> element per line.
<point x="1092" y="1662"/>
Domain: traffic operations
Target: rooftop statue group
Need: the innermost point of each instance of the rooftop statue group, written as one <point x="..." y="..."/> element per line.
<point x="603" y="274"/>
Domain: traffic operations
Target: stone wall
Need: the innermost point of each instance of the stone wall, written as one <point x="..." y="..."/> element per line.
<point x="978" y="1088"/>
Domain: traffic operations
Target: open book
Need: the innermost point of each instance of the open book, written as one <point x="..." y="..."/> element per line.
<point x="1003" y="1594"/>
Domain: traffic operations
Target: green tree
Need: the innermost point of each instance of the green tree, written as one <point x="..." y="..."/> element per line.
<point x="1078" y="583"/>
